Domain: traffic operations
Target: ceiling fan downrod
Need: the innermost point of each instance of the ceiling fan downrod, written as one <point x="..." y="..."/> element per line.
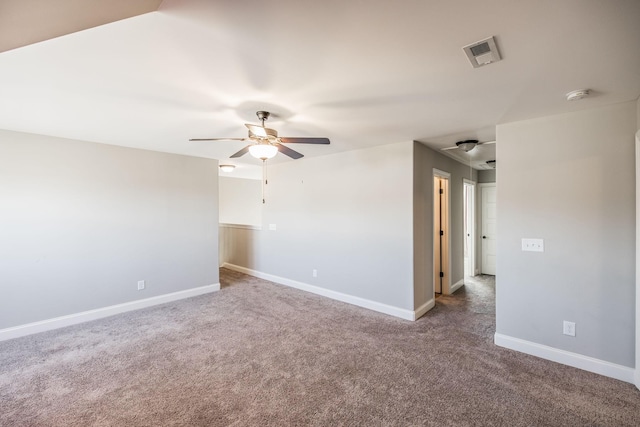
<point x="262" y="116"/>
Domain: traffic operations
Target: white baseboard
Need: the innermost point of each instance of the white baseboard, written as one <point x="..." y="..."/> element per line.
<point x="576" y="360"/>
<point x="99" y="313"/>
<point x="339" y="296"/>
<point x="421" y="311"/>
<point x="637" y="381"/>
<point x="456" y="286"/>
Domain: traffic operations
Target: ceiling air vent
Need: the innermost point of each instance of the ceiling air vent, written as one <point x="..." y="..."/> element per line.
<point x="483" y="52"/>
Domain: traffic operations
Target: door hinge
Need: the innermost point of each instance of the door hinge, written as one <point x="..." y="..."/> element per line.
<point x="441" y="274"/>
<point x="441" y="191"/>
<point x="441" y="233"/>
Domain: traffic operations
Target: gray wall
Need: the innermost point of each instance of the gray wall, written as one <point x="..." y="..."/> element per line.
<point x="569" y="179"/>
<point x="81" y="223"/>
<point x="486" y="176"/>
<point x="424" y="161"/>
<point x="637" y="375"/>
<point x="346" y="215"/>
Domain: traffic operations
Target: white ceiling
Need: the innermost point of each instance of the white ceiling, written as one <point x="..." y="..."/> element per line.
<point x="362" y="73"/>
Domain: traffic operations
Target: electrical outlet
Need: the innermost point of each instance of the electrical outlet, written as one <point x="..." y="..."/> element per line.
<point x="569" y="328"/>
<point x="272" y="227"/>
<point x="141" y="285"/>
<point x="314" y="273"/>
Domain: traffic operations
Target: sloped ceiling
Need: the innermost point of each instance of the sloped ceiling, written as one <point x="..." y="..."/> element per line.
<point x="362" y="73"/>
<point x="24" y="22"/>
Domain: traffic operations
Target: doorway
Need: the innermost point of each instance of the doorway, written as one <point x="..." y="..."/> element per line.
<point x="469" y="206"/>
<point x="441" y="235"/>
<point x="488" y="203"/>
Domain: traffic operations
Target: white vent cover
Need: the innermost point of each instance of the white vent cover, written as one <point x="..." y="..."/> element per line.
<point x="482" y="52"/>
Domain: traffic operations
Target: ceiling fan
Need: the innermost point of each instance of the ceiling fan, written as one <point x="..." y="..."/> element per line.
<point x="265" y="142"/>
<point x="467" y="145"/>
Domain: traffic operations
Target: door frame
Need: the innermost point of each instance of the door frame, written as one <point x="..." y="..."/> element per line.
<point x="637" y="369"/>
<point x="471" y="210"/>
<point x="446" y="282"/>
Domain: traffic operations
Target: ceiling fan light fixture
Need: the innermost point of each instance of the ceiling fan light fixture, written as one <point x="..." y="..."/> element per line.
<point x="263" y="151"/>
<point x="467" y="145"/>
<point x="265" y="142"/>
<point x="227" y="168"/>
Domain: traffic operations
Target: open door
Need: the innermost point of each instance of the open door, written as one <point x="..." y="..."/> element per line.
<point x="441" y="235"/>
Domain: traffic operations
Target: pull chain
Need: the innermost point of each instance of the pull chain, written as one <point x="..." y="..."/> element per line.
<point x="264" y="178"/>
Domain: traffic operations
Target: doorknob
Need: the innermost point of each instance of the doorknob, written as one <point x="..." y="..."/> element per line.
<point x="484" y="237"/>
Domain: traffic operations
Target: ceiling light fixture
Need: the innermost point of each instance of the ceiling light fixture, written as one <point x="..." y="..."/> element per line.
<point x="467" y="145"/>
<point x="575" y="95"/>
<point x="227" y="168"/>
<point x="263" y="151"/>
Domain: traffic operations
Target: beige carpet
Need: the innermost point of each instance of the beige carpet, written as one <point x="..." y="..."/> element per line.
<point x="260" y="354"/>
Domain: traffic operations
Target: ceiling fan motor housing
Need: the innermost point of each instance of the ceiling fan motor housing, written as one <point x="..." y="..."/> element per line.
<point x="263" y="115"/>
<point x="268" y="134"/>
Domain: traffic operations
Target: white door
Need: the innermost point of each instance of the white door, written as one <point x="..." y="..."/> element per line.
<point x="488" y="193"/>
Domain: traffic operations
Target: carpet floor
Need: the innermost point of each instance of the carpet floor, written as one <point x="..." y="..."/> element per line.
<point x="261" y="354"/>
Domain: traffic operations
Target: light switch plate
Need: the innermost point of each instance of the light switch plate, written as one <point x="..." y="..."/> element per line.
<point x="533" y="245"/>
<point x="272" y="227"/>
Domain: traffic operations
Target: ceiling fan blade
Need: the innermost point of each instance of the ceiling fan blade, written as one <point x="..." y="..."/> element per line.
<point x="289" y="152"/>
<point x="256" y="130"/>
<point x="305" y="140"/>
<point x="486" y="143"/>
<point x="448" y="148"/>
<point x="241" y="153"/>
<point x="218" y="139"/>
